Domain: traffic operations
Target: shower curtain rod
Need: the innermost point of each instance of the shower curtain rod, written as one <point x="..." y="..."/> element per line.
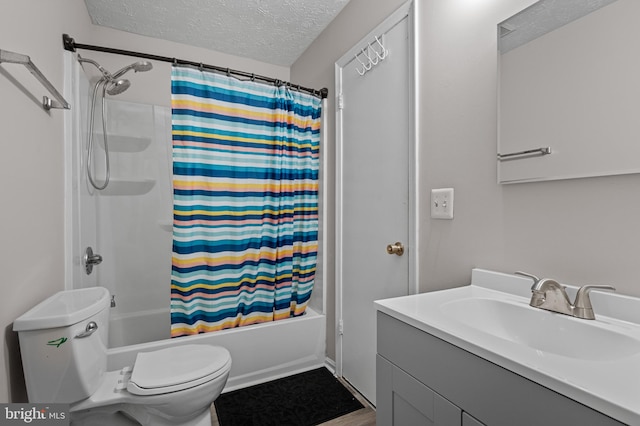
<point x="70" y="45"/>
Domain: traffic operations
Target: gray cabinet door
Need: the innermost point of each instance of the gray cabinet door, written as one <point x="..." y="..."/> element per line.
<point x="467" y="420"/>
<point x="404" y="401"/>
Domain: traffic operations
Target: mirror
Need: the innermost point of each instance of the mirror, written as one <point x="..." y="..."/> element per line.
<point x="569" y="91"/>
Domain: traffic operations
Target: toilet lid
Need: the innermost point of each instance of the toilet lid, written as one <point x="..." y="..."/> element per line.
<point x="177" y="368"/>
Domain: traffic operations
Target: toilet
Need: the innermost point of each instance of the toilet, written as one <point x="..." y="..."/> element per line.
<point x="64" y="341"/>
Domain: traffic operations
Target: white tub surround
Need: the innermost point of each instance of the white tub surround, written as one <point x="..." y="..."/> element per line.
<point x="259" y="352"/>
<point x="109" y="221"/>
<point x="594" y="362"/>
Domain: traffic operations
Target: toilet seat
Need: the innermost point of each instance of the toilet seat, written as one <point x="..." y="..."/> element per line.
<point x="177" y="368"/>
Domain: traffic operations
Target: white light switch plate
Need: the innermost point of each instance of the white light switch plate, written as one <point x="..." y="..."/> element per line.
<point x="442" y="203"/>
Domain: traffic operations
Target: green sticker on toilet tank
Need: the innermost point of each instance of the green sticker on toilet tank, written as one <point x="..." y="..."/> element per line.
<point x="57" y="342"/>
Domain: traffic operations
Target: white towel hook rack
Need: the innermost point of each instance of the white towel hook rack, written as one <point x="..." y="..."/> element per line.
<point x="384" y="52"/>
<point x="364" y="67"/>
<point x="47" y="103"/>
<point x="372" y="59"/>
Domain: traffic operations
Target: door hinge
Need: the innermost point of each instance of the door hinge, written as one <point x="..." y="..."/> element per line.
<point x="340" y="101"/>
<point x="340" y="328"/>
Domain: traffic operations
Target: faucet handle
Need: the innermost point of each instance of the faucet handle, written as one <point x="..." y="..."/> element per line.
<point x="536" y="280"/>
<point x="582" y="305"/>
<point x="524" y="274"/>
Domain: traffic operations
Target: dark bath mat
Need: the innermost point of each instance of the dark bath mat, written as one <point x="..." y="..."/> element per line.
<point x="304" y="399"/>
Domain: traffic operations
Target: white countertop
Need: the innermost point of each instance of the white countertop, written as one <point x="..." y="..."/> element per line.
<point x="611" y="386"/>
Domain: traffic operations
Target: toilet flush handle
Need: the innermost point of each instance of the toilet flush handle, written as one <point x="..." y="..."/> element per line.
<point x="88" y="331"/>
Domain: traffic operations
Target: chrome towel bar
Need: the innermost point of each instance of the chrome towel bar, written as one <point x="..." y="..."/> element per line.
<point x="47" y="103"/>
<point x="529" y="152"/>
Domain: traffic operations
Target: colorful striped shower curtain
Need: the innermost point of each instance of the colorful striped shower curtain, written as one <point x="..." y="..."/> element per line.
<point x="245" y="233"/>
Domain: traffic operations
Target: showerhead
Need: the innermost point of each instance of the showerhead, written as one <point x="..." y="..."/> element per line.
<point x="140" y="66"/>
<point x="104" y="72"/>
<point x="113" y="84"/>
<point x="117" y="86"/>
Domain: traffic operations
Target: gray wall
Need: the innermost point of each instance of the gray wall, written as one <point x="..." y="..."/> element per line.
<point x="31" y="172"/>
<point x="581" y="231"/>
<point x="578" y="231"/>
<point x="31" y="140"/>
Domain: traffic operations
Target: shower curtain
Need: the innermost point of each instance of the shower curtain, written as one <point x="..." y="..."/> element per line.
<point x="245" y="233"/>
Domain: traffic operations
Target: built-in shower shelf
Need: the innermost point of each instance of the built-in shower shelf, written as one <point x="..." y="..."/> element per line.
<point x="124" y="143"/>
<point x="128" y="187"/>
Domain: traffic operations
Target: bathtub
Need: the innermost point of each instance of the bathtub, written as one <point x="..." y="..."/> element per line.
<point x="139" y="327"/>
<point x="259" y="352"/>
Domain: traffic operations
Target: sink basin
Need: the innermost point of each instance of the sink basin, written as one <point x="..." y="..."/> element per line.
<point x="593" y="362"/>
<point x="541" y="330"/>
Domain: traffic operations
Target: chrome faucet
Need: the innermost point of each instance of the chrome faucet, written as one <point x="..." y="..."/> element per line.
<point x="548" y="294"/>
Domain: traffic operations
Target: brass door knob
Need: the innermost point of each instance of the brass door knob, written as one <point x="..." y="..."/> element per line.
<point x="397" y="248"/>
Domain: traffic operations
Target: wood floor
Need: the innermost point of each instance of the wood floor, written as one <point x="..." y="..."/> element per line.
<point x="363" y="417"/>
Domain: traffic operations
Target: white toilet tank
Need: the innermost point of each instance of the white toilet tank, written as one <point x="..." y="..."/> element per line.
<point x="63" y="359"/>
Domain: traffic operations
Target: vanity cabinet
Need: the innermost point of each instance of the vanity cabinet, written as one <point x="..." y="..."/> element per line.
<point x="423" y="380"/>
<point x="403" y="400"/>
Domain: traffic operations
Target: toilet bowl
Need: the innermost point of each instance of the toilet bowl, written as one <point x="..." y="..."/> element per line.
<point x="172" y="386"/>
<point x="63" y="342"/>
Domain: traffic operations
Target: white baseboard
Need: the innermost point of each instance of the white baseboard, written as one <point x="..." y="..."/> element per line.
<point x="331" y="365"/>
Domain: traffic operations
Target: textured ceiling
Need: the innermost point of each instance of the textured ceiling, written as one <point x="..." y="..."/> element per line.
<point x="543" y="17"/>
<point x="272" y="31"/>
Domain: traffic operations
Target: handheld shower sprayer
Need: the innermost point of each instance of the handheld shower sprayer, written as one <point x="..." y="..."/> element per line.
<point x="112" y="85"/>
<point x="117" y="85"/>
<point x="140" y="66"/>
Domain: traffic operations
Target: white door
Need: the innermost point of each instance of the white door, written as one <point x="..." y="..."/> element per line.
<point x="375" y="117"/>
